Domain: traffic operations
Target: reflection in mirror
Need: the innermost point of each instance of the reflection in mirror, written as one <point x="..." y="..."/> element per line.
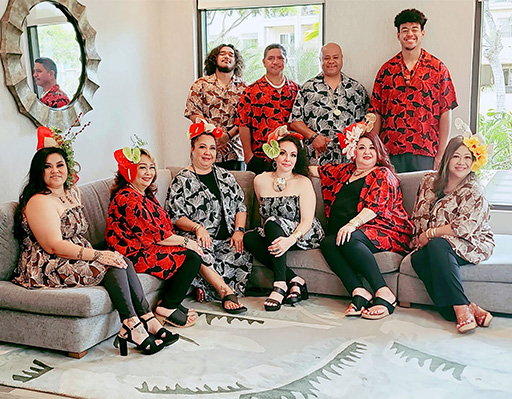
<point x="54" y="57"/>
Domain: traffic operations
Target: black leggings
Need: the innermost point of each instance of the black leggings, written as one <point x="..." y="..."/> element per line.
<point x="258" y="246"/>
<point x="177" y="285"/>
<point x="125" y="291"/>
<point x="438" y="266"/>
<point x="352" y="259"/>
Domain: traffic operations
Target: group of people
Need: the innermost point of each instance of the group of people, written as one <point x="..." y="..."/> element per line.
<point x="197" y="238"/>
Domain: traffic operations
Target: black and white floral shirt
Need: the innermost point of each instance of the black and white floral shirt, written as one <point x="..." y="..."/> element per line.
<point x="328" y="113"/>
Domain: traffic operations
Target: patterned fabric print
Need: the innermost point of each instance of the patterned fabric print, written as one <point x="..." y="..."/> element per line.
<point x="55" y="98"/>
<point x="410" y="114"/>
<point x="217" y="105"/>
<point x="391" y="229"/>
<point x="465" y="209"/>
<point x="189" y="197"/>
<point x="263" y="108"/>
<point x="314" y="105"/>
<point x="285" y="211"/>
<point x="135" y="224"/>
<point x="39" y="269"/>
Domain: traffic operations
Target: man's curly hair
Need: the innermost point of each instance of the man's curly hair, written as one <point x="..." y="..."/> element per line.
<point x="210" y="64"/>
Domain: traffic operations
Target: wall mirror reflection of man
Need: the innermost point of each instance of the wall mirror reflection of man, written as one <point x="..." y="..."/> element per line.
<point x="45" y="76"/>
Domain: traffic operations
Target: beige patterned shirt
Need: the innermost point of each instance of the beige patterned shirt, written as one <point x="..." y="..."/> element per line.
<point x="217" y="104"/>
<point x="465" y="209"/>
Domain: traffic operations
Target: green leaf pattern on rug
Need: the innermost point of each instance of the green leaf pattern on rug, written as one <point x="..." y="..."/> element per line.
<point x="210" y="317"/>
<point x="346" y="358"/>
<point x="422" y="357"/>
<point x="179" y="390"/>
<point x="35" y="373"/>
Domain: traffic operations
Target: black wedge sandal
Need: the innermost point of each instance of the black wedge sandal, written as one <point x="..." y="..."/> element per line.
<point x="297" y="296"/>
<point x="147" y="347"/>
<point x="162" y="334"/>
<point x="274" y="303"/>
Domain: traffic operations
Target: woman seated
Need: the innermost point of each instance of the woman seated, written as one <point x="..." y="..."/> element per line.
<point x="207" y="204"/>
<point x="139" y="228"/>
<point x="287" y="208"/>
<point x="363" y="204"/>
<point x="451" y="229"/>
<point x="50" y="224"/>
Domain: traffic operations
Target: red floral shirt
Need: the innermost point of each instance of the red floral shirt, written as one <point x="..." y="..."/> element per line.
<point x="135" y="225"/>
<point x="411" y="109"/>
<point x="391" y="229"/>
<point x="55" y="97"/>
<point x="263" y="108"/>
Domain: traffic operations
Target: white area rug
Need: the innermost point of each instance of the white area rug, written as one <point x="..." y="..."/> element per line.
<point x="307" y="351"/>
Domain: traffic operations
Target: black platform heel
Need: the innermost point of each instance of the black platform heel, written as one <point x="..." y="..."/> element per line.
<point x="162" y="334"/>
<point x="301" y="295"/>
<point x="147" y="347"/>
<point x="274" y="303"/>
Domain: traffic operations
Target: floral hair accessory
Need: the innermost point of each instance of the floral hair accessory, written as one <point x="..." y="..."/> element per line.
<point x="475" y="143"/>
<point x="196" y="129"/>
<point x="348" y="140"/>
<point x="271" y="147"/>
<point x="128" y="158"/>
<point x="52" y="137"/>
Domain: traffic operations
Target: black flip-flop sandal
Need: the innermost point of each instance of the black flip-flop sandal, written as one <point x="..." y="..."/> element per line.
<point x="232" y="298"/>
<point x="359" y="302"/>
<point x="390" y="308"/>
<point x="178" y="318"/>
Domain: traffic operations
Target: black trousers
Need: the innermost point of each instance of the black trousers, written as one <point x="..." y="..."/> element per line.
<point x="352" y="260"/>
<point x="176" y="287"/>
<point x="259" y="165"/>
<point x="438" y="266"/>
<point x="258" y="246"/>
<point x="125" y="291"/>
<point x="409" y="162"/>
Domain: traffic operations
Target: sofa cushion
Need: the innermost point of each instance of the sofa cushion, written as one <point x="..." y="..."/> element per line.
<point x="410" y="183"/>
<point x="9" y="247"/>
<point x="72" y="302"/>
<point x="496" y="269"/>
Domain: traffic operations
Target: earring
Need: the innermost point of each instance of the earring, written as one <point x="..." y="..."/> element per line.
<point x="274" y="164"/>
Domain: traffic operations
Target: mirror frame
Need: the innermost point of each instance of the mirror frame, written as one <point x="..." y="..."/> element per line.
<point x="15" y="74"/>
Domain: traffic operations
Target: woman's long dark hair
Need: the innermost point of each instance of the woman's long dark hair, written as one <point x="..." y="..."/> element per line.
<point x="301" y="166"/>
<point x="120" y="182"/>
<point x="441" y="179"/>
<point x="35" y="184"/>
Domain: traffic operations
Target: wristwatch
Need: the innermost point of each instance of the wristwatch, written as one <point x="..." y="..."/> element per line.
<point x="242" y="229"/>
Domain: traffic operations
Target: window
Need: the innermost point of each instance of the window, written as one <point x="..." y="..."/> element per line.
<point x="250" y="30"/>
<point x="495" y="97"/>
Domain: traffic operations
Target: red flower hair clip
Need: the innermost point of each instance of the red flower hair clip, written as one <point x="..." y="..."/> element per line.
<point x="271" y="147"/>
<point x="348" y="140"/>
<point x="197" y="129"/>
<point x="128" y="158"/>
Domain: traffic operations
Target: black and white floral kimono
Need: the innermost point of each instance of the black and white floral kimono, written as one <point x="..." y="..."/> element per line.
<point x="188" y="196"/>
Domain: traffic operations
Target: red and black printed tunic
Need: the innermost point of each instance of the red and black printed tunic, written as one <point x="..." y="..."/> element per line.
<point x="262" y="108"/>
<point x="411" y="103"/>
<point x="55" y="97"/>
<point x="391" y="229"/>
<point x="135" y="224"/>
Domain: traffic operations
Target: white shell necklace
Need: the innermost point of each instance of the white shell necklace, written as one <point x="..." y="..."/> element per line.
<point x="273" y="85"/>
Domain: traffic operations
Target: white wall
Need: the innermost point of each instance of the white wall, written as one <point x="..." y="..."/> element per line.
<point x="148" y="51"/>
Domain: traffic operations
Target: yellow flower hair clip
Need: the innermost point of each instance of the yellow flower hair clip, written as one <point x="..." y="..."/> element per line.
<point x="475" y="143"/>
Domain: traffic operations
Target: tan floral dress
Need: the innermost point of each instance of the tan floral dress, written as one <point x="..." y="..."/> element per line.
<point x="465" y="209"/>
<point x="39" y="269"/>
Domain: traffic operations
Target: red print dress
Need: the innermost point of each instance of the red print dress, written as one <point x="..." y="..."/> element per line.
<point x="135" y="224"/>
<point x="391" y="229"/>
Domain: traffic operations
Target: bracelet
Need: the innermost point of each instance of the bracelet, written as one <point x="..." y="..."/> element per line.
<point x="96" y="256"/>
<point x="196" y="227"/>
<point x="185" y="241"/>
<point x="81" y="253"/>
<point x="356" y="222"/>
<point x="314" y="136"/>
<point x="298" y="235"/>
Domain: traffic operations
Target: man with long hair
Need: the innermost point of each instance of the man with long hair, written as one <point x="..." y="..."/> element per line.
<point x="214" y="98"/>
<point x="413" y="97"/>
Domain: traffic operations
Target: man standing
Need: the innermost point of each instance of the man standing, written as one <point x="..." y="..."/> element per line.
<point x="214" y="98"/>
<point x="325" y="105"/>
<point x="264" y="106"/>
<point x="45" y="75"/>
<point x="413" y="97"/>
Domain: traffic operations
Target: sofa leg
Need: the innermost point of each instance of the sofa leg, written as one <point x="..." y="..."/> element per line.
<point x="77" y="355"/>
<point x="405" y="304"/>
